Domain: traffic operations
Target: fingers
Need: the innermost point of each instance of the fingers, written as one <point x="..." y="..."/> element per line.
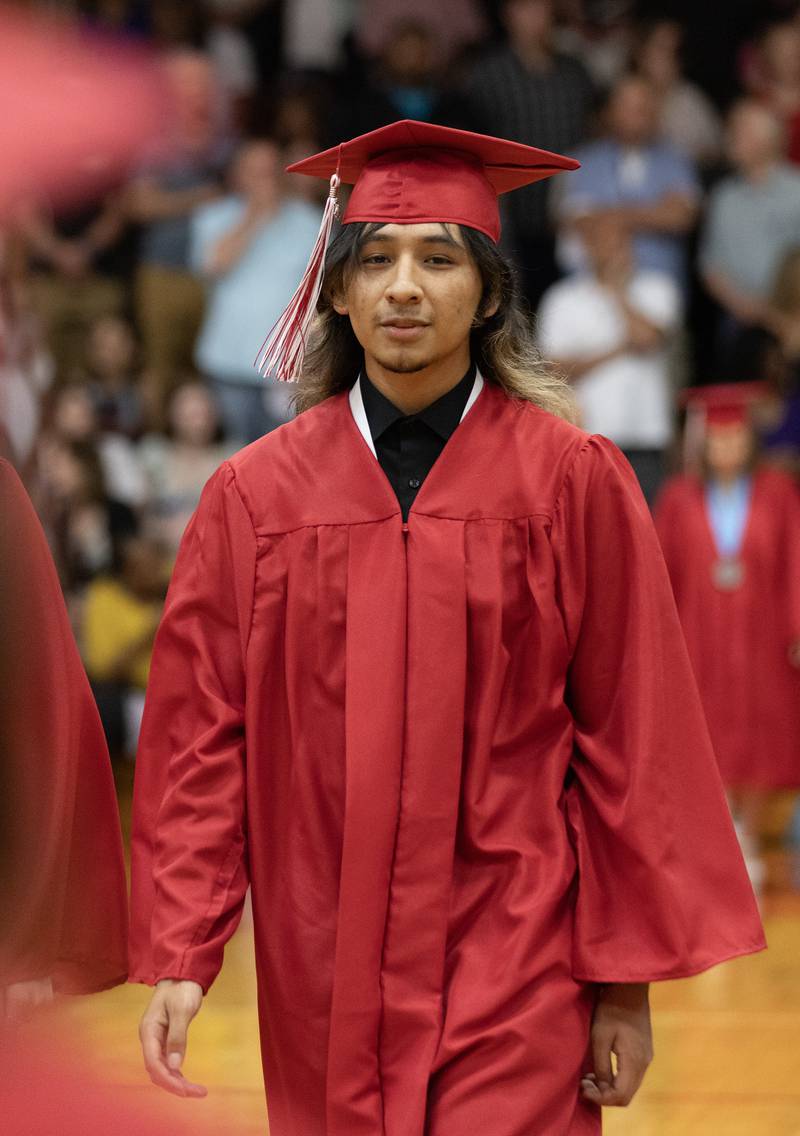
<point x="615" y="1090"/>
<point x="163" y="1032"/>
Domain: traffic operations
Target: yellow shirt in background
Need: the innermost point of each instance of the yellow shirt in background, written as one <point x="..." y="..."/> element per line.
<point x="113" y="619"/>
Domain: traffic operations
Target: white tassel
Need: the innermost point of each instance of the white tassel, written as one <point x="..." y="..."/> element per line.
<point x="282" y="352"/>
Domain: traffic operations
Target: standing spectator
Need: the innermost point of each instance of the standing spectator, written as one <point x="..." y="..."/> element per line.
<point x="650" y="186"/>
<point x="121" y="612"/>
<point x="178" y="465"/>
<point x="731" y="539"/>
<point x="455" y="25"/>
<point x="79" y="264"/>
<point x="608" y="329"/>
<point x="527" y="91"/>
<point x="163" y="196"/>
<point x="112" y="376"/>
<point x="686" y="116"/>
<point x="774" y="79"/>
<point x="250" y="246"/>
<point x="753" y="219"/>
<point x="408" y="80"/>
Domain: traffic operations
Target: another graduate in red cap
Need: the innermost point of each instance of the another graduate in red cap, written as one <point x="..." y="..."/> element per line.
<point x="730" y="530"/>
<point x="421" y="683"/>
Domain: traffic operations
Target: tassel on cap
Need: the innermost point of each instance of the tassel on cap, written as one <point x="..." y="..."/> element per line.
<point x="282" y="352"/>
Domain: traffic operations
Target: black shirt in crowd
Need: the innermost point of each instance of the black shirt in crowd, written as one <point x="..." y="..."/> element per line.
<point x="407" y="445"/>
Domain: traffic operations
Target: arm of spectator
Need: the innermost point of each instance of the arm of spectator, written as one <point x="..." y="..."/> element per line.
<point x="743" y="306"/>
<point x="675" y="213"/>
<point x="39" y="232"/>
<point x="107" y="228"/>
<point x="223" y="253"/>
<point x="146" y="200"/>
<point x="578" y="366"/>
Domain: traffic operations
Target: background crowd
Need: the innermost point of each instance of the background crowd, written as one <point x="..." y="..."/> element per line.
<point x="129" y="322"/>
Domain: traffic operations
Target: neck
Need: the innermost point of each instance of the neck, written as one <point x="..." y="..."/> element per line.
<point x="535" y="56"/>
<point x="759" y="172"/>
<point x="413" y="391"/>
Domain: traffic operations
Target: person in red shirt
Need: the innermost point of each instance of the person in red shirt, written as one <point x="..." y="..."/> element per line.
<point x="730" y="531"/>
<point x="421" y="684"/>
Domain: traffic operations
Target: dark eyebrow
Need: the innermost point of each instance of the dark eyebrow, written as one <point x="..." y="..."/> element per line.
<point x="442" y="238"/>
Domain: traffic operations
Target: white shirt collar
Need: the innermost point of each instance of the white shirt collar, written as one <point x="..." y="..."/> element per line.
<point x="360" y="414"/>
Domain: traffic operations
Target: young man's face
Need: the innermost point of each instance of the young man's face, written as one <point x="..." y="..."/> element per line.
<point x="412" y="297"/>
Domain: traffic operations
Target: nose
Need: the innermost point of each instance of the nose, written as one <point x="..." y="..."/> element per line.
<point x="403" y="287"/>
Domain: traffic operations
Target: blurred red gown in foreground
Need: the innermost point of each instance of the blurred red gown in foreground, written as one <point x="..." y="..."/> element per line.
<point x="62" y="878"/>
<point x="739" y="637"/>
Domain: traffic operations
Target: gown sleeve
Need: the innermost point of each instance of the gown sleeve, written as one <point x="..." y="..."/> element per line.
<point x="662" y="888"/>
<point x="188" y="851"/>
<point x="63" y="902"/>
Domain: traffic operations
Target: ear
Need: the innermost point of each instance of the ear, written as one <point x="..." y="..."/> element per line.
<point x="340" y="307"/>
<point x="492" y="304"/>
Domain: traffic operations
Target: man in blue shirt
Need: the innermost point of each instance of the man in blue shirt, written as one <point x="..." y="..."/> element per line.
<point x="647" y="184"/>
<point x="250" y="246"/>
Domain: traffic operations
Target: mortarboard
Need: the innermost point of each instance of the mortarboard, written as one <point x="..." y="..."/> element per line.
<point x="723" y="404"/>
<point x="405" y="173"/>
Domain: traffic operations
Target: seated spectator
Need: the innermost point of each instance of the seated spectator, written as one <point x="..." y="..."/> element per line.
<point x="527" y="90"/>
<point x="84" y="525"/>
<point x="251" y="247"/>
<point x="112" y="377"/>
<point x="79" y="262"/>
<point x="407" y="80"/>
<point x="608" y="329"/>
<point x="162" y="198"/>
<point x="74" y="418"/>
<point x="753" y="219"/>
<point x="686" y="118"/>
<point x="121" y="613"/>
<point x="647" y="184"/>
<point x="177" y="465"/>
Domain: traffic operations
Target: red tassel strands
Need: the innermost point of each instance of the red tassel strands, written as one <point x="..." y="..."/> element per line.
<point x="282" y="352"/>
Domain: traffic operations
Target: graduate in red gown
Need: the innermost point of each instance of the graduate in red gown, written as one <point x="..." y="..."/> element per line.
<point x="730" y="532"/>
<point x="421" y="684"/>
<point x="63" y="897"/>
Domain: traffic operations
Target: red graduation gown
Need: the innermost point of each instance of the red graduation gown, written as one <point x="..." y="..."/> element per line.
<point x="739" y="640"/>
<point x="63" y="897"/>
<point x="462" y="763"/>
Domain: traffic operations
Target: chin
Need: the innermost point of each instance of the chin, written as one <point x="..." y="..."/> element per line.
<point x="402" y="363"/>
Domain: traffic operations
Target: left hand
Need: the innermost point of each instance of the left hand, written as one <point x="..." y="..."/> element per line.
<point x="621" y="1025"/>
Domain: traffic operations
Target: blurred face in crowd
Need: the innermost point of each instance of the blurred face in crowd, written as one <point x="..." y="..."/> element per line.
<point x="754" y="137"/>
<point x="529" y="23"/>
<point x="74" y="416"/>
<point x="194" y="92"/>
<point x="111" y="348"/>
<point x="410" y="55"/>
<point x="412" y="297"/>
<point x="607" y="244"/>
<point x="729" y="448"/>
<point x="780" y="54"/>
<point x="257" y="174"/>
<point x="143" y="568"/>
<point x="193" y="415"/>
<point x="659" y="55"/>
<point x="633" y="112"/>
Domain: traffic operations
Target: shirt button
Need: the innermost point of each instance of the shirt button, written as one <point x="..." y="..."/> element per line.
<point x="413" y="483"/>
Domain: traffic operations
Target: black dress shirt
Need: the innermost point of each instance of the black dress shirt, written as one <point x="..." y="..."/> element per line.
<point x="407" y="445"/>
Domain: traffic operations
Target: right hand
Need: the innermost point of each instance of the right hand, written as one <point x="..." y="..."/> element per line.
<point x="162" y="1032"/>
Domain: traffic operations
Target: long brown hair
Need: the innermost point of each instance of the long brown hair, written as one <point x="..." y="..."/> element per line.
<point x="503" y="345"/>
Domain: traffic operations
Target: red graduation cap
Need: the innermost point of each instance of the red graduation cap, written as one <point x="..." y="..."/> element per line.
<point x="723" y="404"/>
<point x="405" y="173"/>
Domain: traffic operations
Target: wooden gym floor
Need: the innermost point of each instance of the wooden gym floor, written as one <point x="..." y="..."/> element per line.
<point x="727" y="1042"/>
